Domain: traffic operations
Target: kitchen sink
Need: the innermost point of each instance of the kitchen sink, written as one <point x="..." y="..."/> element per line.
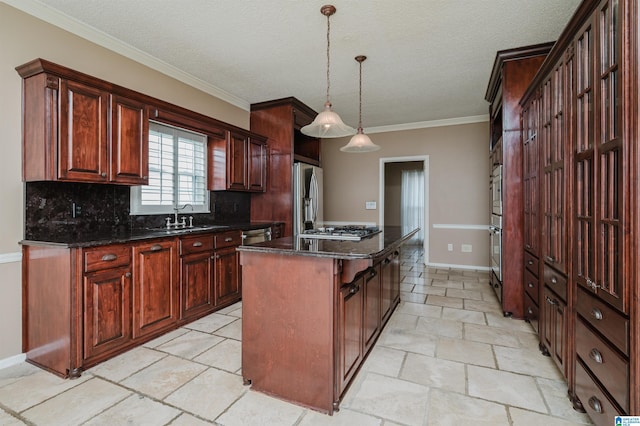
<point x="187" y="230"/>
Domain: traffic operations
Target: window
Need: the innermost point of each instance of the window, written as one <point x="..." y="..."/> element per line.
<point x="177" y="172"/>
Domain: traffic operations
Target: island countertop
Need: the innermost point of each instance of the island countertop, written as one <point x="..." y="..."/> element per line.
<point x="371" y="247"/>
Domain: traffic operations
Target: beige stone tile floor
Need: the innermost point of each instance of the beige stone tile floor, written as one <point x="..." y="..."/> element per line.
<point x="447" y="357"/>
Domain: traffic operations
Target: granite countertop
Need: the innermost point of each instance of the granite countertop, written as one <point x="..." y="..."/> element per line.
<point x="101" y="238"/>
<point x="371" y="247"/>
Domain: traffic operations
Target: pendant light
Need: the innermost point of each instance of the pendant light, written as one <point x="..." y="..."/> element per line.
<point x="360" y="142"/>
<point x="327" y="124"/>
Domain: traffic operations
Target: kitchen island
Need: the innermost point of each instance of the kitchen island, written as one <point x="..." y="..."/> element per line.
<point x="312" y="310"/>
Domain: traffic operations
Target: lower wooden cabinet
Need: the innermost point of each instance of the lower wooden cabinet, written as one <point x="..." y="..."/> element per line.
<point x="372" y="316"/>
<point x="196" y="276"/>
<point x="350" y="331"/>
<point x="155" y="290"/>
<point x="107" y="311"/>
<point x="228" y="280"/>
<point x="553" y="311"/>
<point x="85" y="305"/>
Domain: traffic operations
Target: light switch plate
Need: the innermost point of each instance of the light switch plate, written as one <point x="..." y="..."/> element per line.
<point x="466" y="248"/>
<point x="370" y="205"/>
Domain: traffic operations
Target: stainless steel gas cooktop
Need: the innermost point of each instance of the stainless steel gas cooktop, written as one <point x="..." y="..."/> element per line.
<point x="348" y="233"/>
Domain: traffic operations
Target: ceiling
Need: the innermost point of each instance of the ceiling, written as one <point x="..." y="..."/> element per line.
<point x="427" y="59"/>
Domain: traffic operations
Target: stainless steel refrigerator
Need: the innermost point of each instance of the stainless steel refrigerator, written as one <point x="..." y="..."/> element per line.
<point x="307" y="197"/>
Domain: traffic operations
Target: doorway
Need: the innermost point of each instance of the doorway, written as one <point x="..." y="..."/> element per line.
<point x="390" y="211"/>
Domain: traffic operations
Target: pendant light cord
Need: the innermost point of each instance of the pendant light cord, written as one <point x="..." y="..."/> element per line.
<point x="360" y="99"/>
<point x="328" y="57"/>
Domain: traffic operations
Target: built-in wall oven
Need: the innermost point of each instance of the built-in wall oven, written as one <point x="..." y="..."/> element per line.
<point x="496" y="190"/>
<point x="495" y="230"/>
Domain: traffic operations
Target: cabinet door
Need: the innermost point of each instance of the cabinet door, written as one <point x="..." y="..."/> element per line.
<point x="386" y="278"/>
<point x="197" y="290"/>
<point x="600" y="159"/>
<point x="237" y="162"/>
<point x="554" y="328"/>
<point x="107" y="310"/>
<point x="257" y="158"/>
<point x="350" y="332"/>
<point x="129" y="141"/>
<point x="155" y="293"/>
<point x="228" y="286"/>
<point x="530" y="155"/>
<point x="82" y="154"/>
<point x="395" y="276"/>
<point x="372" y="314"/>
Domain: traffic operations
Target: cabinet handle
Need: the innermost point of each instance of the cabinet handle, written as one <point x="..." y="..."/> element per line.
<point x="530" y="284"/>
<point x="595" y="404"/>
<point x="128" y="275"/>
<point x="530" y="262"/>
<point x="596" y="314"/>
<point x="109" y="257"/>
<point x="156" y="247"/>
<point x="551" y="302"/>
<point x="372" y="274"/>
<point x="596" y="356"/>
<point x="352" y="292"/>
<point x="197" y="244"/>
<point x="592" y="285"/>
<point x="550" y="259"/>
<point x="554" y="280"/>
<point x="217" y="256"/>
<point x="530" y="311"/>
<point x="103" y="174"/>
<point x="228" y="239"/>
<point x="528" y="246"/>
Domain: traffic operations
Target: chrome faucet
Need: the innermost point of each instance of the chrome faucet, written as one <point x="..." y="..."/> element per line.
<point x="175" y="223"/>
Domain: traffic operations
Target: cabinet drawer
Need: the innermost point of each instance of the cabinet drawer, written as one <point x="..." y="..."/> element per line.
<point x="531" y="262"/>
<point x="106" y="257"/>
<point x="227" y="239"/>
<point x="531" y="312"/>
<point x="598" y="405"/>
<point x="613" y="326"/>
<point x="611" y="369"/>
<point x="531" y="285"/>
<point x="556" y="282"/>
<point x="196" y="244"/>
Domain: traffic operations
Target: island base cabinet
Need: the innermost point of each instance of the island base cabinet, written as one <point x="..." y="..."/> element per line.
<point x="288" y="326"/>
<point x="308" y="323"/>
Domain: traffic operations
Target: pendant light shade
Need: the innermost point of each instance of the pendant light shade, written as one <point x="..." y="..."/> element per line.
<point x="328" y="123"/>
<point x="360" y="142"/>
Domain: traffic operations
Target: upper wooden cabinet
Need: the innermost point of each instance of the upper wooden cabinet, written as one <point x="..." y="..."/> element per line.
<point x="79" y="128"/>
<point x="237" y="162"/>
<point x="75" y="129"/>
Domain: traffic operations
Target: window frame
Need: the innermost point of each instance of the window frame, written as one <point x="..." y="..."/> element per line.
<point x="137" y="208"/>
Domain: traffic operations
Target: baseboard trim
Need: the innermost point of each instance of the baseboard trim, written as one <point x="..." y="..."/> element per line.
<point x="450" y="265"/>
<point x="13" y="360"/>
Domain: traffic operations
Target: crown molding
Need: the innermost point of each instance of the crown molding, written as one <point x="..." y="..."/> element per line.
<point x="58" y="19"/>
<point x="427" y="124"/>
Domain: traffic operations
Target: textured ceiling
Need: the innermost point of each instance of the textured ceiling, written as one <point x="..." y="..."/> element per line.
<point x="427" y="59"/>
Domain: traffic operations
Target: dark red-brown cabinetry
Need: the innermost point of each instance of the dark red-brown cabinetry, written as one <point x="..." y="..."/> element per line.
<point x="512" y="72"/>
<point x="280" y="121"/>
<point x="587" y="126"/>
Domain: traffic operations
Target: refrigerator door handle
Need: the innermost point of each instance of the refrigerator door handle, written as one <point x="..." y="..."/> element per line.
<point x="313" y="194"/>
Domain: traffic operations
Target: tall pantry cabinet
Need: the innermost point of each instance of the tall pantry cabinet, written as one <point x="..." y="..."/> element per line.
<point x="582" y="109"/>
<point x="512" y="72"/>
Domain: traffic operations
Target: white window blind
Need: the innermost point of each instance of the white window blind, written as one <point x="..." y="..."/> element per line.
<point x="177" y="172"/>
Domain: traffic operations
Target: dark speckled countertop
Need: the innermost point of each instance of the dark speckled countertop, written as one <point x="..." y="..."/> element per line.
<point x="102" y="238"/>
<point x="374" y="246"/>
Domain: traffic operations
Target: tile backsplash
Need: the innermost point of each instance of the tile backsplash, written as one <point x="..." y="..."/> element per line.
<point x="66" y="208"/>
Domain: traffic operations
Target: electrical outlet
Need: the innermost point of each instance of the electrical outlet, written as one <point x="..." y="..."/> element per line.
<point x="76" y="210"/>
<point x="466" y="248"/>
<point x="370" y="205"/>
<point x="450" y="247"/>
